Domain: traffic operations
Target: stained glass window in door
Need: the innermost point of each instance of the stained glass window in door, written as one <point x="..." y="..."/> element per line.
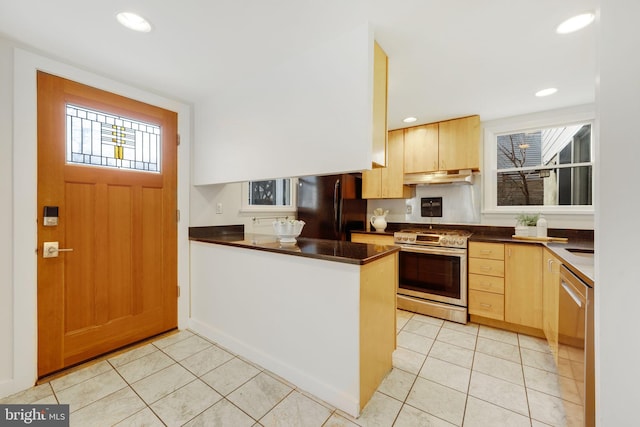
<point x="101" y="139"/>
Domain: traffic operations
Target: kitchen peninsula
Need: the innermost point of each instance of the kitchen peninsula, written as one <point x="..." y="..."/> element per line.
<point x="319" y="313"/>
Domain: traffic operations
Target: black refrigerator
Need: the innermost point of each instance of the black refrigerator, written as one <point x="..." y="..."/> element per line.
<point x="331" y="206"/>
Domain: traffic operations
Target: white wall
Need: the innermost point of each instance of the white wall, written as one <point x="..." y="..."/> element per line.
<point x="18" y="336"/>
<point x="310" y="115"/>
<point x="617" y="276"/>
<point x="205" y="198"/>
<point x="6" y="214"/>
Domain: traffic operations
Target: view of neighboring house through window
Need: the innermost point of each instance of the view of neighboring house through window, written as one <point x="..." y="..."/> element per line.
<point x="545" y="167"/>
<point x="274" y="192"/>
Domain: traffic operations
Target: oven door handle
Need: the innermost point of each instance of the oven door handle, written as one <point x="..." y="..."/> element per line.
<point x="433" y="250"/>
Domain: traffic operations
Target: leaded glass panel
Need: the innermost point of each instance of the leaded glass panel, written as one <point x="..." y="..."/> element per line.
<point x="102" y="139"/>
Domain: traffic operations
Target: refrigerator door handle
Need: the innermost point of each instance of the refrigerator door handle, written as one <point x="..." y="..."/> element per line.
<point x="336" y="206"/>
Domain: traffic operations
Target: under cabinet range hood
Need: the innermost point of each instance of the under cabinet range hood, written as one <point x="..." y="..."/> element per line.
<point x="443" y="177"/>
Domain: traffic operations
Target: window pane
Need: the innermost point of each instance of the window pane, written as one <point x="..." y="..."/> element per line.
<point x="561" y="186"/>
<point x="275" y="192"/>
<point x="519" y="150"/>
<point x="544" y="147"/>
<point x="520" y="188"/>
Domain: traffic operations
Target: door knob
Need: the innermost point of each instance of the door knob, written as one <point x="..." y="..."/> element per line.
<point x="51" y="250"/>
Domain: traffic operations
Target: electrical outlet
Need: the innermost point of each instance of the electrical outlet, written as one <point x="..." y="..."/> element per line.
<point x="218" y="208"/>
<point x="409" y="209"/>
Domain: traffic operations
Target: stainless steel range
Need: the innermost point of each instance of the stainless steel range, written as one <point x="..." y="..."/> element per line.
<point x="433" y="272"/>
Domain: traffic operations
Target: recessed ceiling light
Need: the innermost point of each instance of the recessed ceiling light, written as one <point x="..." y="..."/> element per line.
<point x="409" y="120"/>
<point x="134" y="22"/>
<point x="546" y="92"/>
<point x="575" y="23"/>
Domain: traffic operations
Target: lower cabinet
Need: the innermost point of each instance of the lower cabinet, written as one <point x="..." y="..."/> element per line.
<point x="374" y="239"/>
<point x="523" y="285"/>
<point x="505" y="285"/>
<point x="486" y="280"/>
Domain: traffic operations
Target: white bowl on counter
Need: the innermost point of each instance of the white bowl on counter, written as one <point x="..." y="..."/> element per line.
<point x="288" y="230"/>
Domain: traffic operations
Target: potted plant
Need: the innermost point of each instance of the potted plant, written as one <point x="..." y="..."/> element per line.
<point x="526" y="224"/>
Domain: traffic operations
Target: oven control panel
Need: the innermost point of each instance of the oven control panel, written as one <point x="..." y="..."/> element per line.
<point x="444" y="239"/>
<point x="401" y="237"/>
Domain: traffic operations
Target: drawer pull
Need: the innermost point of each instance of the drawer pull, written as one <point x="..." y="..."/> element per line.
<point x="484" y="304"/>
<point x="485" y="267"/>
<point x="486" y="251"/>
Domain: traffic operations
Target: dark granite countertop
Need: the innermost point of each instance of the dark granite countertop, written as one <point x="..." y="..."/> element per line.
<point x="328" y="250"/>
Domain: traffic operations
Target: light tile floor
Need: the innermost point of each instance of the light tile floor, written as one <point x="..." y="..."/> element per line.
<point x="445" y="374"/>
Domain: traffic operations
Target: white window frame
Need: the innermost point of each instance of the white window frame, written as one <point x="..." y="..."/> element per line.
<point x="547" y="119"/>
<point x="284" y="209"/>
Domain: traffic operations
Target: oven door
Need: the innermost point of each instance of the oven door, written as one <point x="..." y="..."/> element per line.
<point x="433" y="273"/>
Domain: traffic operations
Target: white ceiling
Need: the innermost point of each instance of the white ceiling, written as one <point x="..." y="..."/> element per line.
<point x="447" y="58"/>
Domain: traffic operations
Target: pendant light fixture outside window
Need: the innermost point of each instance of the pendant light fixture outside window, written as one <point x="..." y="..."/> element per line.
<point x="575" y="23"/>
<point x="134" y="22"/>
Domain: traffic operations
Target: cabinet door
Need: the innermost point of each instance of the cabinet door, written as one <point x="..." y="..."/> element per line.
<point x="421" y="148"/>
<point x="372" y="184"/>
<point x="550" y="288"/>
<point x="459" y="144"/>
<point x="393" y="175"/>
<point x="523" y="285"/>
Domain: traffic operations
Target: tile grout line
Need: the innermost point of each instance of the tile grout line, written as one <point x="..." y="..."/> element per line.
<point x="404" y="402"/>
<point x="473" y="361"/>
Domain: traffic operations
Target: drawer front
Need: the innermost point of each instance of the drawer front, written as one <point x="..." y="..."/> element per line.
<point x="486" y="283"/>
<point x="489" y="267"/>
<point x="486" y="250"/>
<point x="372" y="239"/>
<point x="486" y="304"/>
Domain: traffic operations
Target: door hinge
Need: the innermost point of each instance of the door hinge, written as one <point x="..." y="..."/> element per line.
<point x="178" y="139"/>
<point x="178" y="291"/>
<point x="177" y="215"/>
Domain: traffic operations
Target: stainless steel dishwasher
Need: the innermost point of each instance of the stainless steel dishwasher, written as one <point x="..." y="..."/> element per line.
<point x="575" y="345"/>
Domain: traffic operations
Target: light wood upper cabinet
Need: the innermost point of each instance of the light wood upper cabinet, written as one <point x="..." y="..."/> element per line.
<point x="387" y="183"/>
<point x="421" y="148"/>
<point x="550" y="288"/>
<point x="523" y="285"/>
<point x="443" y="146"/>
<point x="459" y="143"/>
<point x="380" y="72"/>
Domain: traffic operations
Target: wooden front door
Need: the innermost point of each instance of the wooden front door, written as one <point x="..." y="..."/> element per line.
<point x="114" y="184"/>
